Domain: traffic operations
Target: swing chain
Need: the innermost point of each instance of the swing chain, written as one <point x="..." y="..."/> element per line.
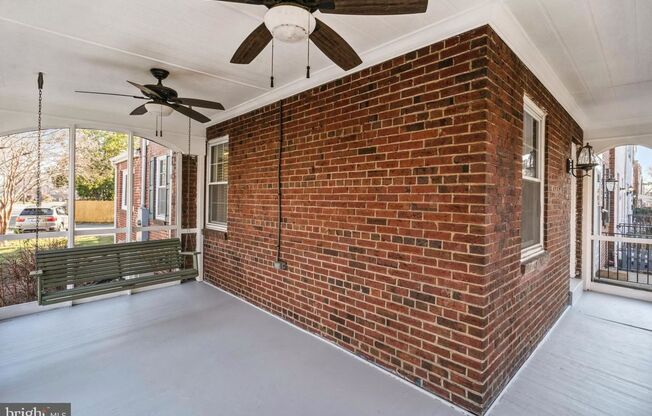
<point x="38" y="162"/>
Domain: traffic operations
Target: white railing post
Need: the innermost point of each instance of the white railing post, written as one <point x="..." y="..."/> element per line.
<point x="130" y="184"/>
<point x="72" y="195"/>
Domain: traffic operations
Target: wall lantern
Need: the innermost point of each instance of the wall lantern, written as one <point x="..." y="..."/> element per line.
<point x="610" y="184"/>
<point x="585" y="162"/>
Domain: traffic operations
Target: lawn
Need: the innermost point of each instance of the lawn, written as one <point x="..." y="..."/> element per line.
<point x="10" y="247"/>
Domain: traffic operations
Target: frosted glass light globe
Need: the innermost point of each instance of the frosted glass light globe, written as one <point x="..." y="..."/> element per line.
<point x="289" y="23"/>
<point x="158" y="109"/>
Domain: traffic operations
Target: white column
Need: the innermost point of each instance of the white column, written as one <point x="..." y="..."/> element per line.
<point x="130" y="184"/>
<point x="573" y="217"/>
<point x="179" y="191"/>
<point x="72" y="140"/>
<point x="199" y="221"/>
<point x="587" y="227"/>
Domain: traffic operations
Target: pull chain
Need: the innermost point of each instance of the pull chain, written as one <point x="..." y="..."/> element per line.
<point x="271" y="79"/>
<point x="308" y="53"/>
<point x="161" y="116"/>
<point x="188" y="175"/>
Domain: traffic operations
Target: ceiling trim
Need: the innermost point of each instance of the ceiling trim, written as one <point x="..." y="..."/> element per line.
<point x="603" y="144"/>
<point x="12" y="122"/>
<point x="492" y="12"/>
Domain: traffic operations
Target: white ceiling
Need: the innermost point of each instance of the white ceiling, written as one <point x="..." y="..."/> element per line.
<point x="594" y="54"/>
<point x="601" y="51"/>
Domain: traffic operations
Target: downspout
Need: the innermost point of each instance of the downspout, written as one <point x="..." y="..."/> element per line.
<point x="279" y="264"/>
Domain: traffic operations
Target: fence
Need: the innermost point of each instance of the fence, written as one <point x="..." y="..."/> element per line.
<point x="94" y="212"/>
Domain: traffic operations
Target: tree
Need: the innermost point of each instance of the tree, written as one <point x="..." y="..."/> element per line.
<point x="18" y="160"/>
<point x="94" y="170"/>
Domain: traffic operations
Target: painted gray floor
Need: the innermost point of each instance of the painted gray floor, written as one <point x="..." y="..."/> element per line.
<point x="190" y="350"/>
<point x="597" y="361"/>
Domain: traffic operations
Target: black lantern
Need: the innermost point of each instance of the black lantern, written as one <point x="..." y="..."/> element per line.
<point x="611" y="183"/>
<point x="585" y="162"/>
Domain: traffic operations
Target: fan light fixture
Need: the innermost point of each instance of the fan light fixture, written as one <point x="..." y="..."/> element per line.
<point x="289" y="23"/>
<point x="158" y="109"/>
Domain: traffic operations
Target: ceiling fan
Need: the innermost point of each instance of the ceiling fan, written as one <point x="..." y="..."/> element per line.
<point x="163" y="100"/>
<point x="293" y="21"/>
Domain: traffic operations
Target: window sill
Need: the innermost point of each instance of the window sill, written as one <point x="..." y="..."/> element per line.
<point x="215" y="232"/>
<point x="534" y="262"/>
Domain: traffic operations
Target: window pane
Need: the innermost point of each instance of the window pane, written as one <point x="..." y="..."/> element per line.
<point x="162" y="202"/>
<point x="225" y="166"/>
<point x="217" y="203"/>
<point x="219" y="163"/>
<point x="530" y="146"/>
<point x="531" y="214"/>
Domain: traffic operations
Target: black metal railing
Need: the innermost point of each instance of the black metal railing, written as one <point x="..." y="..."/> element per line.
<point x="626" y="263"/>
<point x="634" y="229"/>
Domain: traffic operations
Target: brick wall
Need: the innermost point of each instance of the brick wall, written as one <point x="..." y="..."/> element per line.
<point x="153" y="150"/>
<point x="524" y="300"/>
<point x="396" y="200"/>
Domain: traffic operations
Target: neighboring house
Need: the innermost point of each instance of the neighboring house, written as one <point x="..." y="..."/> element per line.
<point x="616" y="208"/>
<point x="154" y="207"/>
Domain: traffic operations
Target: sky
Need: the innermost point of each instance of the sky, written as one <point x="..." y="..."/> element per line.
<point x="644" y="156"/>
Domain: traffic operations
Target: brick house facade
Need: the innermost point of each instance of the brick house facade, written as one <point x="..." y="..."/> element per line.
<point x="154" y="153"/>
<point x="401" y="215"/>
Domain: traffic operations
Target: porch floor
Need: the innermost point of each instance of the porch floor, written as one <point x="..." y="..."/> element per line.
<point x="596" y="361"/>
<point x="190" y="349"/>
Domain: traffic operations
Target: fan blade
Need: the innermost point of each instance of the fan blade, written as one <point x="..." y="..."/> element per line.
<point x="188" y="112"/>
<point x="373" y="7"/>
<point x="194" y="102"/>
<point x="252" y="45"/>
<point x="333" y="46"/>
<point x="146" y="90"/>
<point x="140" y="110"/>
<point x="110" y="93"/>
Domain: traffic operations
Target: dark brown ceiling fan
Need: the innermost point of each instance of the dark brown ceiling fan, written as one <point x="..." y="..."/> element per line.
<point x="292" y="21"/>
<point x="162" y="96"/>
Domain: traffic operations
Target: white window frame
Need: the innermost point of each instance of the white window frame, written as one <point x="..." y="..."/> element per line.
<point x="219" y="226"/>
<point x="123" y="187"/>
<point x="158" y="186"/>
<point x="538" y="114"/>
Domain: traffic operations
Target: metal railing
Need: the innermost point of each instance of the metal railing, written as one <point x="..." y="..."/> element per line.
<point x="625" y="258"/>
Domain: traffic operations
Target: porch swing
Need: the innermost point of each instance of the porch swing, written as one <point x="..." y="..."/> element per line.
<point x="75" y="273"/>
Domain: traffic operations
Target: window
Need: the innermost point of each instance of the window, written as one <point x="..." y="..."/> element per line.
<point x="217" y="168"/>
<point x="162" y="186"/>
<point x="533" y="180"/>
<point x="36" y="211"/>
<point x="123" y="187"/>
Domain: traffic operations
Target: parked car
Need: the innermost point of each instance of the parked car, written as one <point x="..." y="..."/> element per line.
<point x="49" y="219"/>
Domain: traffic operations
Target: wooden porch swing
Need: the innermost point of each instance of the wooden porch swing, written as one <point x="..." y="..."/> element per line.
<point x="82" y="272"/>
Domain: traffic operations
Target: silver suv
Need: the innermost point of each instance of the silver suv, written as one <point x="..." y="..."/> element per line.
<point x="49" y="219"/>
